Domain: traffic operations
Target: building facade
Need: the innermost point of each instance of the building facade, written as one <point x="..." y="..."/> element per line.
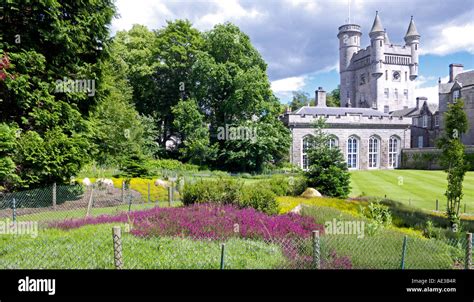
<point x="369" y="139"/>
<point x="380" y="76"/>
<point x="459" y="86"/>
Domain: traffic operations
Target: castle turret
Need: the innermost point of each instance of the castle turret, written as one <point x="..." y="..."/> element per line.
<point x="412" y="39"/>
<point x="377" y="38"/>
<point x="349" y="44"/>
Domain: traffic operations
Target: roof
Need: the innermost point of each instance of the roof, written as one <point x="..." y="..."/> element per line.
<point x="386" y="39"/>
<point x="465" y="78"/>
<point x="445" y="87"/>
<point x="412" y="29"/>
<point x="314" y="110"/>
<point x="432" y="107"/>
<point x="406" y="112"/>
<point x="377" y="26"/>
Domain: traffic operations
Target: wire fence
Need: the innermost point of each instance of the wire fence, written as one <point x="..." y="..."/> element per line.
<point x="98" y="247"/>
<point x="58" y="202"/>
<point x="114" y="247"/>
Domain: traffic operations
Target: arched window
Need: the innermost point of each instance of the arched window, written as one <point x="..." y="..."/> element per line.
<point x="307" y="144"/>
<point x="333" y="142"/>
<point x="374" y="152"/>
<point x="352" y="152"/>
<point x="393" y="151"/>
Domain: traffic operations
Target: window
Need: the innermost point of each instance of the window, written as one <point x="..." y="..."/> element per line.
<point x="352" y="152"/>
<point x="307" y="144"/>
<point x="386" y="93"/>
<point x="436" y="120"/>
<point x="386" y="75"/>
<point x="415" y="121"/>
<point x="420" y="141"/>
<point x="395" y="93"/>
<point x="393" y="152"/>
<point x="386" y="109"/>
<point x="374" y="151"/>
<point x="425" y="121"/>
<point x="380" y="43"/>
<point x="396" y="76"/>
<point x="333" y="142"/>
<point x="405" y="94"/>
<point x="456" y="95"/>
<point x="406" y="76"/>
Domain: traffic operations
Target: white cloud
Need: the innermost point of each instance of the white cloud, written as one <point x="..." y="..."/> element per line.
<point x="288" y="84"/>
<point x="143" y="12"/>
<point x="452" y="38"/>
<point x="229" y="10"/>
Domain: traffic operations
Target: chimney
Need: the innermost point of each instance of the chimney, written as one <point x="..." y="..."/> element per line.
<point x="320" y="97"/>
<point x="454" y="70"/>
<point x="422" y="99"/>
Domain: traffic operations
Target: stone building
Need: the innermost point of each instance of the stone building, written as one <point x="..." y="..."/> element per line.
<point x="425" y="123"/>
<point x="368" y="138"/>
<point x="460" y="85"/>
<point x="382" y="75"/>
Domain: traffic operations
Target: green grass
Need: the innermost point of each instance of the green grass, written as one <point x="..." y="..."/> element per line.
<point x="91" y="247"/>
<point x="420" y="186"/>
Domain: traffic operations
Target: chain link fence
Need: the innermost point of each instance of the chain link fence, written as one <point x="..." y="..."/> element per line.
<point x="58" y="202"/>
<point x="114" y="247"/>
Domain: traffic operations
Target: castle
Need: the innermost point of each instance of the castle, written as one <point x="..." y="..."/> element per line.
<point x="375" y="81"/>
<point x="382" y="75"/>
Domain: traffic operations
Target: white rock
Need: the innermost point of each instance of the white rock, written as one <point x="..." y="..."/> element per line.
<point x="86" y="181"/>
<point x="311" y="192"/>
<point x="162" y="183"/>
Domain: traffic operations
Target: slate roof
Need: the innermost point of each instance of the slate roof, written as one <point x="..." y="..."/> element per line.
<point x="412" y="29"/>
<point x="377" y="26"/>
<point x="465" y="78"/>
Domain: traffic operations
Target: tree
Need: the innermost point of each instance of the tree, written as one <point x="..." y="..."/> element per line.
<point x="193" y="132"/>
<point x="334" y="97"/>
<point x="7" y="148"/>
<point x="453" y="158"/>
<point x="47" y="42"/>
<point x="300" y="99"/>
<point x="328" y="171"/>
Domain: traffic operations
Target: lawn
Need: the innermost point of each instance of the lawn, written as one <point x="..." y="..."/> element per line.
<point x="421" y="188"/>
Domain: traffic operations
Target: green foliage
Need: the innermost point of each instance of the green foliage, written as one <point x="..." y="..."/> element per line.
<point x="222" y="191"/>
<point x="58" y="40"/>
<point x="328" y="171"/>
<point x="379" y="216"/>
<point x="134" y="166"/>
<point x="193" y="132"/>
<point x="260" y="198"/>
<point x="300" y="99"/>
<point x="7" y="148"/>
<point x="453" y="159"/>
<point x="334" y="97"/>
<point x="287" y="185"/>
<point x="170" y="164"/>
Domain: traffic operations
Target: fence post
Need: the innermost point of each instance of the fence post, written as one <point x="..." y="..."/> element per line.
<point x="123" y="191"/>
<point x="54" y="195"/>
<point x="89" y="205"/>
<point x="149" y="192"/>
<point x="117" y="237"/>
<point x="14" y="209"/>
<point x="316" y="250"/>
<point x="170" y="195"/>
<point x="468" y="262"/>
<point x="222" y="255"/>
<point x="129" y="202"/>
<point x="437" y="204"/>
<point x="404" y="251"/>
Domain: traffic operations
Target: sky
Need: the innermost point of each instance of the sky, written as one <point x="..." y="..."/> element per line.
<point x="298" y="38"/>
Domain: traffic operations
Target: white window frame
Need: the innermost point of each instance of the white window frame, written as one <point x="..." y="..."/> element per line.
<point x="420" y="141"/>
<point x="393" y="152"/>
<point x="386" y="93"/>
<point x="333" y="142"/>
<point x="374" y="152"/>
<point x="436" y="120"/>
<point x="352" y="152"/>
<point x="305" y="145"/>
<point x="425" y="121"/>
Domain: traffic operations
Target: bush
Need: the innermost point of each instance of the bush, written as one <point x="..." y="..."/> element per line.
<point x="260" y="198"/>
<point x="222" y="191"/>
<point x="170" y="164"/>
<point x="379" y="216"/>
<point x="287" y="186"/>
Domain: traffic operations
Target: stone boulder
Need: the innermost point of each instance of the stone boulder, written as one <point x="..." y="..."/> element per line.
<point x="311" y="192"/>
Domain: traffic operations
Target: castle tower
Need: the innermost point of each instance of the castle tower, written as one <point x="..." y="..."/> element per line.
<point x="412" y="40"/>
<point x="349" y="44"/>
<point x="377" y="38"/>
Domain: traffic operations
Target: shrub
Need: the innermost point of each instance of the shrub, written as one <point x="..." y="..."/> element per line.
<point x="379" y="216"/>
<point x="221" y="191"/>
<point x="260" y="198"/>
<point x="287" y="186"/>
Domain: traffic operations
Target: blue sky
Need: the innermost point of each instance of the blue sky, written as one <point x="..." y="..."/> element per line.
<point x="297" y="38"/>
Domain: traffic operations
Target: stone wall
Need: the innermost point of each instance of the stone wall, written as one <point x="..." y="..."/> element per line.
<point x="428" y="158"/>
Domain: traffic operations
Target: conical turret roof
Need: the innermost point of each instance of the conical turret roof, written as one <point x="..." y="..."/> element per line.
<point x="412" y="29"/>
<point x="386" y="39"/>
<point x="377" y="26"/>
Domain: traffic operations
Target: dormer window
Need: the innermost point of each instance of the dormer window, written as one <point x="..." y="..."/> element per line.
<point x="456" y="95"/>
